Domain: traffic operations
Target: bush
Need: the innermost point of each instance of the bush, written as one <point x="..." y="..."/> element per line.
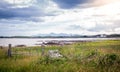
<point x="109" y="60"/>
<point x="48" y="60"/>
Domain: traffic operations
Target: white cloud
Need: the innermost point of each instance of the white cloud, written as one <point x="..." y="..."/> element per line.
<point x="102" y="18"/>
<point x="103" y="2"/>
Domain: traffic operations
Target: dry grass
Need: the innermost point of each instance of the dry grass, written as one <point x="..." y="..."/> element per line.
<point x="100" y="56"/>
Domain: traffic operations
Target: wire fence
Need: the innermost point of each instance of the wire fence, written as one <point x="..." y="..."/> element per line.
<point x="28" y="51"/>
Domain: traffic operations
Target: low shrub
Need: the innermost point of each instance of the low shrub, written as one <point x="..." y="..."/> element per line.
<point x="109" y="60"/>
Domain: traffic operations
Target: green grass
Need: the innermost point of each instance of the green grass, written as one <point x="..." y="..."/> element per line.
<point x="98" y="56"/>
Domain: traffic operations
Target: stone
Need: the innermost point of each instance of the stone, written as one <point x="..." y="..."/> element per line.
<point x="54" y="54"/>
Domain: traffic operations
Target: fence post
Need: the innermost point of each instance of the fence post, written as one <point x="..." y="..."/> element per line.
<point x="9" y="50"/>
<point x="42" y="49"/>
<point x="1" y="47"/>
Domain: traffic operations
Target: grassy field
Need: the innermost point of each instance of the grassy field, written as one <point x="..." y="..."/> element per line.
<point x="98" y="56"/>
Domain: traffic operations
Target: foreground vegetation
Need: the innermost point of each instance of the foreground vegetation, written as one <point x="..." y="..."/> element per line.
<point x="98" y="56"/>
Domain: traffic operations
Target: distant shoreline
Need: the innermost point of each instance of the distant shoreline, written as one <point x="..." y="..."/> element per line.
<point x="57" y="37"/>
<point x="67" y="36"/>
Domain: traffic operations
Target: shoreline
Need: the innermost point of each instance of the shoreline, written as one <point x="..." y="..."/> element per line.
<point x="39" y="41"/>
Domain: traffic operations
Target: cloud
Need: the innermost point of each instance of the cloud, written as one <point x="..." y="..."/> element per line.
<point x="103" y="2"/>
<point x="74" y="27"/>
<point x="29" y="13"/>
<point x="93" y="20"/>
<point x="68" y="4"/>
<point x="26" y="14"/>
<point x="59" y="16"/>
<point x="4" y="4"/>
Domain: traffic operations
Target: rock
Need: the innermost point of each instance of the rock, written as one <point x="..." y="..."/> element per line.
<point x="52" y="43"/>
<point x="20" y="46"/>
<point x="54" y="54"/>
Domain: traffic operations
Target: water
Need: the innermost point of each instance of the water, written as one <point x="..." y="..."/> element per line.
<point x="35" y="41"/>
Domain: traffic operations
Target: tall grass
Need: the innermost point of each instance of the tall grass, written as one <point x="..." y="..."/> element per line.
<point x="98" y="56"/>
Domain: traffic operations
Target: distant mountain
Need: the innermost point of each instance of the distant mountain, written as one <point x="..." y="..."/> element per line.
<point x="56" y="34"/>
<point x="64" y="35"/>
<point x="113" y="35"/>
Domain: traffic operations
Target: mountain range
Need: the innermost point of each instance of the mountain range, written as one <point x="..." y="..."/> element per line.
<point x="57" y="34"/>
<point x="64" y="35"/>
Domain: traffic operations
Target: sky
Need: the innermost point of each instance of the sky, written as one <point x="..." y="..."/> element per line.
<point x="83" y="17"/>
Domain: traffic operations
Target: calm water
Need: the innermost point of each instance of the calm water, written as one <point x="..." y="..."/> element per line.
<point x="34" y="41"/>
